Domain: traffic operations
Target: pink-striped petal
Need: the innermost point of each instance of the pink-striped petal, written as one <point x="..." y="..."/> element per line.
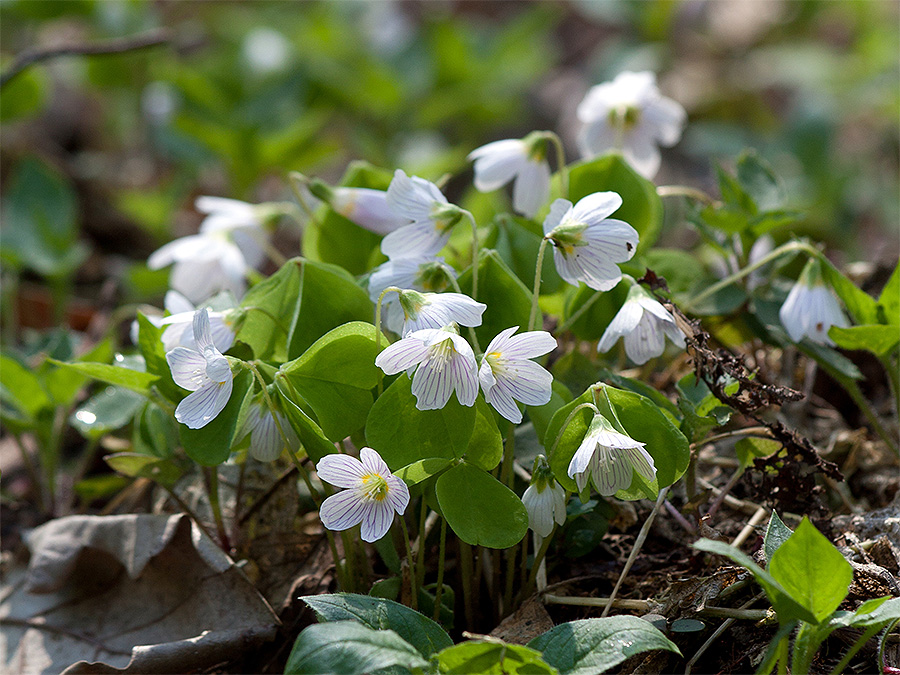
<point x="342" y="471"/>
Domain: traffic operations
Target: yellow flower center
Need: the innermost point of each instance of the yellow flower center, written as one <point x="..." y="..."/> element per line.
<point x="375" y="487"/>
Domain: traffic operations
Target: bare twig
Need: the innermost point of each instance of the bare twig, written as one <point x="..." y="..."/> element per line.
<point x="115" y="46"/>
<point x="755" y="520"/>
<point x="638" y="605"/>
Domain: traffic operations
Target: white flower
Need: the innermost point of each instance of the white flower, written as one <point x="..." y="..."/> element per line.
<point x="607" y="458"/>
<point x="422" y="273"/>
<point x="179" y="324"/>
<point x="811" y="308"/>
<point x="586" y="244"/>
<point x="644" y="323"/>
<point x="216" y="259"/>
<point x="544" y="499"/>
<point x="435" y="310"/>
<point x="205" y="372"/>
<point x="442" y="362"/>
<point x="522" y="160"/>
<point x="373" y="494"/>
<point x="266" y="442"/>
<point x="431" y="214"/>
<point x="507" y="375"/>
<point x="367" y="208"/>
<point x="630" y="114"/>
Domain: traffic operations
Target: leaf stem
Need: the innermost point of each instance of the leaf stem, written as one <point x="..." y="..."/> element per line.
<point x="475" y="253"/>
<point x="685" y="191"/>
<point x="442" y="551"/>
<point x="578" y="313"/>
<point x="536" y="291"/>
<point x="411" y="562"/>
<point x="790" y="247"/>
<point x="561" y="167"/>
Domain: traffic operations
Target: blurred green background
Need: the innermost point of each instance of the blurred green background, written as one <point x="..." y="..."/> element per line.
<point x="102" y="156"/>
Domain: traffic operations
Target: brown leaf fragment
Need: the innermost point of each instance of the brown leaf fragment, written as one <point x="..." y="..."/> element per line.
<point x="525" y="624"/>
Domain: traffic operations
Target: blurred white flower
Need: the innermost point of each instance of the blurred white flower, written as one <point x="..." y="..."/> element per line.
<point x="218" y="257"/>
<point x="266" y="442"/>
<point x="644" y="323"/>
<point x="507" y="375"/>
<point x="439" y="362"/>
<point x="607" y="458"/>
<point x="266" y="50"/>
<point x="373" y="494"/>
<point x="523" y="160"/>
<point x="631" y="115"/>
<point x="431" y="214"/>
<point x="544" y="499"/>
<point x="435" y="310"/>
<point x="205" y="372"/>
<point x="179" y="324"/>
<point x="586" y="243"/>
<point x="811" y="308"/>
<point x="421" y="273"/>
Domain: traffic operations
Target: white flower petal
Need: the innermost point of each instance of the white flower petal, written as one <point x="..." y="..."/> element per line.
<point x="623" y="323"/>
<point x="200" y="408"/>
<point x="342" y="511"/>
<point x="596" y="207"/>
<point x="342" y="471"/>
<point x="413" y="197"/>
<point x="266" y="443"/>
<point x="559" y="211"/>
<point x="376" y="521"/>
<point x="497" y="163"/>
<point x="641" y="152"/>
<point x="372" y="462"/>
<point x="402" y="355"/>
<point x="503" y="402"/>
<point x="421" y="238"/>
<point x="540" y="510"/>
<point x="532" y="188"/>
<point x="398" y="494"/>
<point x="646" y="341"/>
<point x="188" y="368"/>
<point x="667" y="118"/>
<point x="559" y="503"/>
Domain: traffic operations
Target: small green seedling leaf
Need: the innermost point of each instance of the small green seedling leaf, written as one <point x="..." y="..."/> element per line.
<point x="812" y="571"/>
<point x="349" y="648"/>
<point x="379" y="614"/>
<point x="788" y="608"/>
<point x="776" y="534"/>
<point x="748" y="449"/>
<point x="481" y="510"/>
<point x="591" y="646"/>
<point x="874" y="338"/>
<point x="490" y="657"/>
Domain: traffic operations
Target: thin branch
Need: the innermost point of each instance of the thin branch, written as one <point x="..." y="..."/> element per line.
<point x="115" y="46"/>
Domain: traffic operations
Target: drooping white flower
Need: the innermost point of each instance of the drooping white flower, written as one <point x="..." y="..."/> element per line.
<point x="373" y="494"/>
<point x="631" y="115"/>
<point x="544" y="499"/>
<point x="421" y="273"/>
<point x="205" y="372"/>
<point x="266" y="441"/>
<point x="431" y="215"/>
<point x="523" y="160"/>
<point x="435" y="310"/>
<point x="507" y="375"/>
<point x="607" y="458"/>
<point x="644" y="324"/>
<point x="367" y="208"/>
<point x="586" y="243"/>
<point x="811" y="307"/>
<point x="439" y="362"/>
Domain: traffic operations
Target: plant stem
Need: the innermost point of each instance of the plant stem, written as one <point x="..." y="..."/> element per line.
<point x="511" y="555"/>
<point x="420" y="544"/>
<point x="578" y="313"/>
<point x="439" y="589"/>
<point x="574" y="600"/>
<point x="465" y="571"/>
<point x="578" y="408"/>
<point x="506" y="472"/>
<point x="33" y="474"/>
<point x="638" y="543"/>
<point x="296" y="179"/>
<point x="685" y="191"/>
<point x="538" y="559"/>
<point x="790" y="247"/>
<point x="411" y="562"/>
<point x="536" y="291"/>
<point x="561" y="167"/>
<point x="475" y="254"/>
<point x="212" y="475"/>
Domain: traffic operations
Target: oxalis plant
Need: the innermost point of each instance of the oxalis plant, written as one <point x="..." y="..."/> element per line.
<point x="407" y="358"/>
